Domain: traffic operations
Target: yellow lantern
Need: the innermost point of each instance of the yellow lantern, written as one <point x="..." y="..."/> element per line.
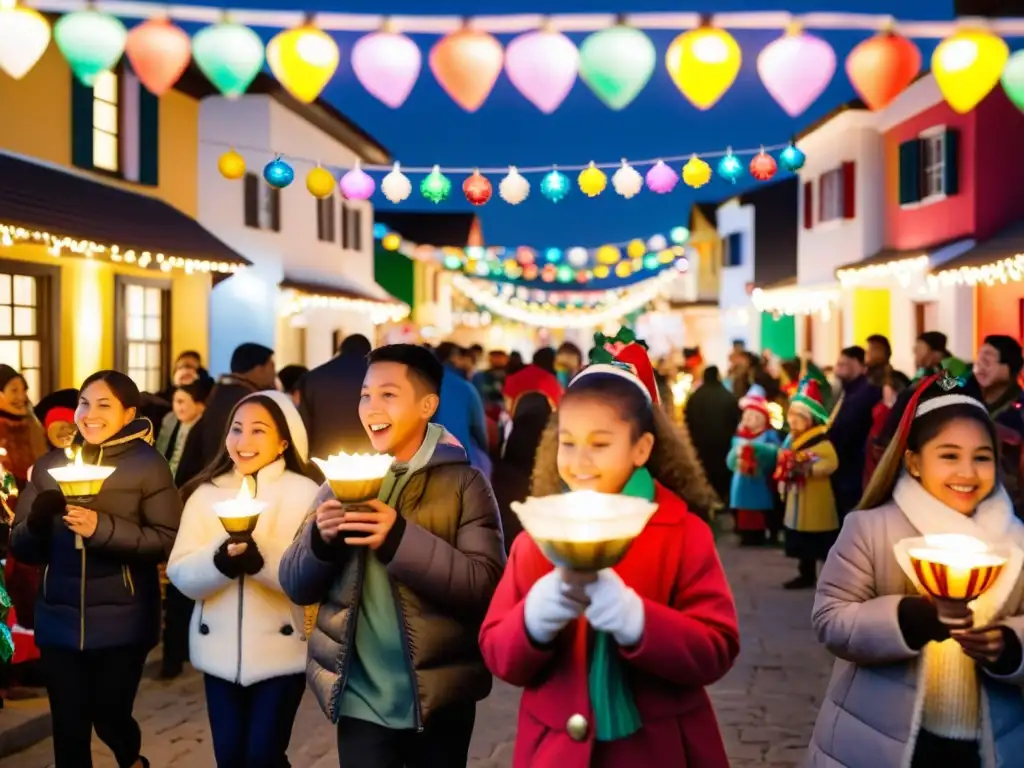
<point x="601" y="272"/>
<point x="304" y="60"/>
<point x="391" y="242"/>
<point x="666" y="256"/>
<point x="608" y="254"/>
<point x="623" y="269"/>
<point x="636" y="249"/>
<point x="320" y="182"/>
<point x="592" y="180"/>
<point x="510" y="265"/>
<point x="231" y="165"/>
<point x="968" y="65"/>
<point x="703" y="63"/>
<point x="24" y="38"/>
<point x="696" y="173"/>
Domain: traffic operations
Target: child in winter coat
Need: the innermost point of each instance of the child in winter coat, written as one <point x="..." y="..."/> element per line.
<point x="246" y="637"/>
<point x="752" y="461"/>
<point x="805" y="462"/>
<point x="616" y="680"/>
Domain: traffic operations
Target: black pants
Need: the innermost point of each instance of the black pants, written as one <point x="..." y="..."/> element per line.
<point x="443" y="743"/>
<point x="177" y="615"/>
<point x="252" y="725"/>
<point x="90" y="689"/>
<point x="932" y="751"/>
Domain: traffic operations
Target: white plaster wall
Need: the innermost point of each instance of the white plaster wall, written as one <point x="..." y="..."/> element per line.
<point x="733" y="299"/>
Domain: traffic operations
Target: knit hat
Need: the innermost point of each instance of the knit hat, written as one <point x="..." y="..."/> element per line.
<point x="1009" y="352"/>
<point x="59" y="413"/>
<point x="755" y="400"/>
<point x="625" y="356"/>
<point x="299" y="436"/>
<point x="808" y="400"/>
<point x="7" y="373"/>
<point x="62" y="398"/>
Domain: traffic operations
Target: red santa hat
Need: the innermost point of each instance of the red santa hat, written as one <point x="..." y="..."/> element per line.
<point x="623" y="356"/>
<point x="755" y="400"/>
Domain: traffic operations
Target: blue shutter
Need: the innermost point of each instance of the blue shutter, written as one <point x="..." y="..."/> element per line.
<point x="910" y="171"/>
<point x="81" y="124"/>
<point x="149" y="138"/>
<point x="951" y="162"/>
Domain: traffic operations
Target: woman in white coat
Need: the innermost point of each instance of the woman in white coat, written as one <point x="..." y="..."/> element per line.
<point x="246" y="637"/>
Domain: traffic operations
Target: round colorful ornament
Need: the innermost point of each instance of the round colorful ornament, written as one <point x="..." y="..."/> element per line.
<point x="555" y="186"/>
<point x="592" y="180"/>
<point x="435" y="186"/>
<point x="661" y="179"/>
<point x="616" y="63"/>
<point x="729" y="167"/>
<point x="466" y="63"/>
<point x="763" y="166"/>
<point x="387" y="64"/>
<point x="881" y="67"/>
<point x="703" y="63"/>
<point x="303" y="59"/>
<point x="696" y="173"/>
<point x="792" y="159"/>
<point x="230" y="55"/>
<point x="320" y="182"/>
<point x="542" y="66"/>
<point x="514" y="188"/>
<point x="91" y="42"/>
<point x="796" y="69"/>
<point x="967" y="67"/>
<point x="356" y="184"/>
<point x="396" y="186"/>
<point x="477" y="189"/>
<point x="231" y="165"/>
<point x="278" y="174"/>
<point x="159" y="52"/>
<point x="627" y="181"/>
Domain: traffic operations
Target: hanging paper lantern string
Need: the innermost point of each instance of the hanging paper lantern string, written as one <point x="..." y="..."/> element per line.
<point x="792" y="159"/>
<point x="304" y="60"/>
<point x="320" y="182"/>
<point x="796" y="69"/>
<point x="278" y="174"/>
<point x="466" y="64"/>
<point x="616" y="64"/>
<point x="159" y="52"/>
<point x="387" y="64"/>
<point x="967" y="67"/>
<point x="729" y="168"/>
<point x="514" y="188"/>
<point x="555" y="186"/>
<point x="356" y="184"/>
<point x="592" y="180"/>
<point x="230" y="55"/>
<point x="24" y="38"/>
<point x="436" y="187"/>
<point x="543" y="66"/>
<point x="703" y="63"/>
<point x="627" y="181"/>
<point x="231" y="165"/>
<point x="661" y="179"/>
<point x="477" y="189"/>
<point x="396" y="186"/>
<point x="881" y="67"/>
<point x="763" y="166"/>
<point x="696" y="173"/>
<point x="92" y="42"/>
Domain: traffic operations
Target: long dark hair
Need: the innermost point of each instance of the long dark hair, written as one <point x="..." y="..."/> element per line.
<point x="673" y="461"/>
<point x="222" y="464"/>
<point x="533" y="411"/>
<point x="125" y="390"/>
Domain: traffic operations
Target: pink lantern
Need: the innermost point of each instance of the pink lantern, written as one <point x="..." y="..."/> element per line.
<point x="159" y="53"/>
<point x="661" y="179"/>
<point x="357" y="184"/>
<point x="796" y="69"/>
<point x="387" y="65"/>
<point x="542" y="66"/>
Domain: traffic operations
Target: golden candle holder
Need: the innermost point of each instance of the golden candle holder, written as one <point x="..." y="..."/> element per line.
<point x="355" y="479"/>
<point x="240" y="515"/>
<point x="80" y="483"/>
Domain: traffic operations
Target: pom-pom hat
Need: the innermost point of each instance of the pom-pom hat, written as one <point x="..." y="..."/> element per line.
<point x="755" y="400"/>
<point x="625" y="356"/>
<point x="809" y="401"/>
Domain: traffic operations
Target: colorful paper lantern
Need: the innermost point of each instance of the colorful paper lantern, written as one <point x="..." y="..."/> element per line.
<point x="627" y="181"/>
<point x="278" y="174"/>
<point x="435" y="186"/>
<point x="792" y="159"/>
<point x="477" y="189"/>
<point x="231" y="165"/>
<point x="967" y="67"/>
<point x="703" y="63"/>
<point x="577" y="257"/>
<point x="608" y="254"/>
<point x="1013" y="79"/>
<point x="24" y="38"/>
<point x="230" y="55"/>
<point x="564" y="274"/>
<point x="320" y="182"/>
<point x="763" y="166"/>
<point x="555" y="186"/>
<point x="796" y="69"/>
<point x="391" y="241"/>
<point x="729" y="167"/>
<point x="636" y="249"/>
<point x="623" y="269"/>
<point x="679" y="235"/>
<point x="396" y="186"/>
<point x="661" y="179"/>
<point x="592" y="180"/>
<point x="356" y="184"/>
<point x="303" y="59"/>
<point x="696" y="173"/>
<point x="92" y="42"/>
<point x="658" y="242"/>
<point x="387" y="64"/>
<point x="616" y="63"/>
<point x="159" y="52"/>
<point x="543" y="67"/>
<point x="514" y="188"/>
<point x="466" y="64"/>
<point x="881" y="67"/>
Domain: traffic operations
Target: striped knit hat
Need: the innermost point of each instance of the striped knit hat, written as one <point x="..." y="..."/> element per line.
<point x="809" y="401"/>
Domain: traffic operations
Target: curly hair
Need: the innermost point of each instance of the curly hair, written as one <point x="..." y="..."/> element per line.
<point x="673" y="461"/>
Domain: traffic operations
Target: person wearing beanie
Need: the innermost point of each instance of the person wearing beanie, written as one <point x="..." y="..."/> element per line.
<point x="803" y="471"/>
<point x="752" y="461"/>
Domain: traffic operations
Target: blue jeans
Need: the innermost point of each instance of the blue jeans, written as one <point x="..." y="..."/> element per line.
<point x="252" y="725"/>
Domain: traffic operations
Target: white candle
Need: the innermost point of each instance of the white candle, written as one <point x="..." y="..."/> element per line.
<point x="242" y="505"/>
<point x="355" y="466"/>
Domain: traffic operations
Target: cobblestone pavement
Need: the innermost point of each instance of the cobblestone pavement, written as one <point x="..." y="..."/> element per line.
<point x="766" y="705"/>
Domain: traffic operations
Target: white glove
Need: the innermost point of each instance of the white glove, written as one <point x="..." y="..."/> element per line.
<point x="615" y="608"/>
<point x="548" y="608"/>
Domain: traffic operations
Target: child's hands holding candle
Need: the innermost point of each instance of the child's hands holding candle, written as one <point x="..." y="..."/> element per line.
<point x="550" y="606"/>
<point x="81" y="521"/>
<point x="615" y="608"/>
<point x="370" y="526"/>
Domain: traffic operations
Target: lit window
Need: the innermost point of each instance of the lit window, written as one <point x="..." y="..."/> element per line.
<point x="20" y="332"/>
<point x="105" y="120"/>
<point x="145" y="345"/>
<point x="933" y="165"/>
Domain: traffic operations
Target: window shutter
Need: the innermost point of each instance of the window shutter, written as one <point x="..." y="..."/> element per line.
<point x="951" y="164"/>
<point x="81" y="124"/>
<point x="149" y="138"/>
<point x="344" y="226"/>
<point x="252" y="201"/>
<point x="910" y="171"/>
<point x="821" y="197"/>
<point x="849" y="190"/>
<point x="357" y="230"/>
<point x="808" y="205"/>
<point x="275" y="208"/>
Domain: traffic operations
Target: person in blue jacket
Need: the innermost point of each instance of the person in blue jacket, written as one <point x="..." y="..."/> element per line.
<point x="752" y="461"/>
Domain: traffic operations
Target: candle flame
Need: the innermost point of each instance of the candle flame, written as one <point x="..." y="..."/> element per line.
<point x="244" y="504"/>
<point x="355" y="466"/>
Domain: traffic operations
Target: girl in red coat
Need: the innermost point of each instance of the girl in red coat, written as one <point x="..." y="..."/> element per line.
<point x="615" y="678"/>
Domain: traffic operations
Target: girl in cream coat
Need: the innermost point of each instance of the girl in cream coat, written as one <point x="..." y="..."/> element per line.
<point x="246" y="636"/>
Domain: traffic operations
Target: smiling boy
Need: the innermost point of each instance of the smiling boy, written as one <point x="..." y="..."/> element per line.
<point x="403" y="582"/>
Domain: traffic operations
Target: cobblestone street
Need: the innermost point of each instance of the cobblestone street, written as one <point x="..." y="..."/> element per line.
<point x="766" y="706"/>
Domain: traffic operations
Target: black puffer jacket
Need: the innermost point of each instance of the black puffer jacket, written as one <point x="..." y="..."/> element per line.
<point x="108" y="593"/>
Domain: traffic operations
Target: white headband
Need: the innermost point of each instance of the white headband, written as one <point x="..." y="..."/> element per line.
<point x="943" y="401"/>
<point x="614" y="370"/>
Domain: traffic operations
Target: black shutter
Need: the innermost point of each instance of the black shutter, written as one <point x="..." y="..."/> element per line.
<point x="149" y="138"/>
<point x="81" y="124"/>
<point x="344" y="226"/>
<point x="252" y="201"/>
<point x="275" y="209"/>
<point x="357" y="230"/>
<point x="910" y="171"/>
<point x="951" y="162"/>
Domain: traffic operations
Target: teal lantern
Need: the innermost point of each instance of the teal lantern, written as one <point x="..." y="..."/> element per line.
<point x="679" y="235"/>
<point x="92" y="42"/>
<point x="555" y="186"/>
<point x="230" y="55"/>
<point x="565" y="274"/>
<point x="278" y="174"/>
<point x="792" y="159"/>
<point x="729" y="168"/>
<point x="651" y="261"/>
<point x="436" y="187"/>
<point x="553" y="255"/>
<point x="452" y="262"/>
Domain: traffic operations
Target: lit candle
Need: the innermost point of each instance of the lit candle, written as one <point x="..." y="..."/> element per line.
<point x="79" y="481"/>
<point x="355" y="477"/>
<point x="955" y="567"/>
<point x="240" y="514"/>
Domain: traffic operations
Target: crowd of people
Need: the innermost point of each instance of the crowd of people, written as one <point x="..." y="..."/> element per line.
<point x="396" y="612"/>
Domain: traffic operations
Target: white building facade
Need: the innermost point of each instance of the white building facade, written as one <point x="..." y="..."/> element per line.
<point x="736" y="227"/>
<point x="312" y="279"/>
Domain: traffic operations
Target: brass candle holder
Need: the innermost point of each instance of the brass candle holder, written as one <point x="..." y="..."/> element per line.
<point x="240" y="515"/>
<point x="355" y="478"/>
<point x="80" y="483"/>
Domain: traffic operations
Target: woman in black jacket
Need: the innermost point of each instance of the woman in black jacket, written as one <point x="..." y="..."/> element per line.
<point x="98" y="610"/>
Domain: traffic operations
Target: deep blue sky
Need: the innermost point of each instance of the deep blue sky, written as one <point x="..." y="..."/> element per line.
<point x="431" y="129"/>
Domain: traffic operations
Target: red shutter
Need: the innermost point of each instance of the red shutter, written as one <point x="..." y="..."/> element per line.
<point x="808" y="205"/>
<point x="849" y="190"/>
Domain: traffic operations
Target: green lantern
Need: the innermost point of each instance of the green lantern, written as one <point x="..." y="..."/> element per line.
<point x="452" y="262"/>
<point x="230" y="55"/>
<point x="616" y="63"/>
<point x="1013" y="79"/>
<point x="679" y="235"/>
<point x="91" y="41"/>
<point x="436" y="187"/>
<point x="565" y="274"/>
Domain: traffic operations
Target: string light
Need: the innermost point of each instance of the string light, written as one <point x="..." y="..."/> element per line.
<point x="904" y="271"/>
<point x="795" y="301"/>
<point x="1004" y="271"/>
<point x="58" y="245"/>
<point x="297" y="302"/>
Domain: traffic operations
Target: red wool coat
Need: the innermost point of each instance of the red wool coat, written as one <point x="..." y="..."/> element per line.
<point x="690" y="640"/>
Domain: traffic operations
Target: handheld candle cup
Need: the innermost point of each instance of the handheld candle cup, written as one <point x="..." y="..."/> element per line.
<point x="240" y="515"/>
<point x="355" y="479"/>
<point x="80" y="483"/>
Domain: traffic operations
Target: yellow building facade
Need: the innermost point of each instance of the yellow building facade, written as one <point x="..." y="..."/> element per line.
<point x="102" y="264"/>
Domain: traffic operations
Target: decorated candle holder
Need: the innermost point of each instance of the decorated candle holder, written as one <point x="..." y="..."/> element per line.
<point x="80" y="483"/>
<point x="955" y="570"/>
<point x="240" y="515"/>
<point x="355" y="478"/>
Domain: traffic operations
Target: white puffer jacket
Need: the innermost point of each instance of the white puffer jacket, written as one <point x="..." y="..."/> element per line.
<point x="243" y="630"/>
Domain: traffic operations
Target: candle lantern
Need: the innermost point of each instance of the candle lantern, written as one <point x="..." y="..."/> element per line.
<point x="355" y="478"/>
<point x="80" y="483"/>
<point x="240" y="515"/>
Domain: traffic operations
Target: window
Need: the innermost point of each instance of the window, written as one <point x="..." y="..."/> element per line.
<point x="106" y="119"/>
<point x="144" y="348"/>
<point x="831" y="196"/>
<point x="732" y="250"/>
<point x="351" y="228"/>
<point x="325" y="219"/>
<point x="21" y="328"/>
<point x="933" y="165"/>
<point x="262" y="204"/>
<point x="929" y="168"/>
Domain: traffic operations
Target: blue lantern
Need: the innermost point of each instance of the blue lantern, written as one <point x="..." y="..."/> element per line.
<point x="555" y="186"/>
<point x="729" y="168"/>
<point x="379" y="230"/>
<point x="278" y="173"/>
<point x="792" y="159"/>
<point x="553" y="255"/>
